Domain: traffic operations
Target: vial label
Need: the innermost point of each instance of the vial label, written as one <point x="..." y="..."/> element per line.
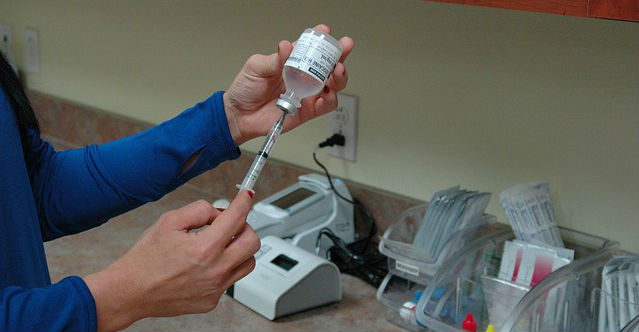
<point x="314" y="55"/>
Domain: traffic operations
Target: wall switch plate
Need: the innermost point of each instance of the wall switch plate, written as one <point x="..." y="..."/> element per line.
<point x="5" y="41"/>
<point x="343" y="120"/>
<point x="31" y="51"/>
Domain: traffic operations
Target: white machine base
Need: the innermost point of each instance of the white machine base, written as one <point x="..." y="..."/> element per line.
<point x="286" y="280"/>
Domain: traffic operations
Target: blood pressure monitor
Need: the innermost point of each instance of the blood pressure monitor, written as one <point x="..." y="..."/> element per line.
<point x="298" y="212"/>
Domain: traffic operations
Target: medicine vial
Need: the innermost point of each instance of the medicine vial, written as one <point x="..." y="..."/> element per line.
<point x="305" y="73"/>
<point x="308" y="68"/>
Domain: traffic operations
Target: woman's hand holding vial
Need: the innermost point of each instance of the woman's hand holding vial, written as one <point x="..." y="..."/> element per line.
<point x="250" y="101"/>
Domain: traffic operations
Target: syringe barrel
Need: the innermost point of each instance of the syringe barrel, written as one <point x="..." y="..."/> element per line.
<point x="254" y="172"/>
<point x="273" y="135"/>
<point x="262" y="155"/>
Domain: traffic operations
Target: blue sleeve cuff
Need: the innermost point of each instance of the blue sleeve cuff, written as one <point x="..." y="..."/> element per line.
<point x="64" y="306"/>
<point x="87" y="300"/>
<point x="219" y="145"/>
<point x="224" y="132"/>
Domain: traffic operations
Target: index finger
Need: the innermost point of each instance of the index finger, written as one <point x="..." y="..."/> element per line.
<point x="322" y="27"/>
<point x="346" y="42"/>
<point x="231" y="221"/>
<point x="347" y="46"/>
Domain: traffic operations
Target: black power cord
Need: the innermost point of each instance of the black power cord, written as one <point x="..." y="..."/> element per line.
<point x="359" y="258"/>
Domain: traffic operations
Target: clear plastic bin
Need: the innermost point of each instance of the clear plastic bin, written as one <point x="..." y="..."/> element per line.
<point x="468" y="284"/>
<point x="633" y="326"/>
<point x="574" y="299"/>
<point x="415" y="263"/>
<point x="393" y="292"/>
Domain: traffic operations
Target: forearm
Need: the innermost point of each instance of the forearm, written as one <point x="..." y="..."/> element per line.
<point x="79" y="189"/>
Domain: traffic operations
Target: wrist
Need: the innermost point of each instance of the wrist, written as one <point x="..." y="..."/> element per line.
<point x="233" y="120"/>
<point x="115" y="299"/>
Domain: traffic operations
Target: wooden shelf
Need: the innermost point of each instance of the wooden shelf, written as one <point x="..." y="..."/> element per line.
<point x="625" y="10"/>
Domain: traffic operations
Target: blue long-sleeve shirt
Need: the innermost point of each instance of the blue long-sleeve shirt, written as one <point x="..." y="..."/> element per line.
<point x="46" y="194"/>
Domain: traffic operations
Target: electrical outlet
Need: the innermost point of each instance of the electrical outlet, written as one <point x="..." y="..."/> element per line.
<point x="343" y="120"/>
<point x="31" y="51"/>
<point x="5" y="40"/>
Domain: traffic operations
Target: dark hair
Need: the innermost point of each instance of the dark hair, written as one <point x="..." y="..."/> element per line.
<point x="17" y="97"/>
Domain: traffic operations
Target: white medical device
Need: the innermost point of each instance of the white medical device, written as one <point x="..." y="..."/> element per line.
<point x="287" y="280"/>
<point x="300" y="211"/>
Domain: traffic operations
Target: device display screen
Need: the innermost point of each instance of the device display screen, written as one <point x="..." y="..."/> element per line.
<point x="293" y="198"/>
<point x="284" y="262"/>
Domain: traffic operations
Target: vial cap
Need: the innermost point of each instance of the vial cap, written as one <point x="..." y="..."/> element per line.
<point x="287" y="107"/>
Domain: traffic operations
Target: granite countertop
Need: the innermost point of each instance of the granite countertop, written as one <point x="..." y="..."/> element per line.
<point x="93" y="250"/>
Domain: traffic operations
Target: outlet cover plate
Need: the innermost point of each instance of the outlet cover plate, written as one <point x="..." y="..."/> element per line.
<point x="31" y="51"/>
<point x="5" y="40"/>
<point x="343" y="120"/>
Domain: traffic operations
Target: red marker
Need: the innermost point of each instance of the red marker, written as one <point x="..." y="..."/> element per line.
<point x="469" y="324"/>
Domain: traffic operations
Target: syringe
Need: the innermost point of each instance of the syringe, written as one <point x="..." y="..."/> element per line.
<point x="262" y="155"/>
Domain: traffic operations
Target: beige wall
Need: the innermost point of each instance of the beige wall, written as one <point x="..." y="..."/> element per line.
<point x="449" y="94"/>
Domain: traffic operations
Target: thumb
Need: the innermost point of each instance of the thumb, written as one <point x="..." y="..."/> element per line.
<point x="284" y="49"/>
<point x="270" y="65"/>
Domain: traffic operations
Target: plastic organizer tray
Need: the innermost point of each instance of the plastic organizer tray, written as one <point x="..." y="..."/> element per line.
<point x="467" y="283"/>
<point x="415" y="263"/>
<point x="400" y="287"/>
<point x="573" y="299"/>
<point x="393" y="292"/>
<point x="633" y="326"/>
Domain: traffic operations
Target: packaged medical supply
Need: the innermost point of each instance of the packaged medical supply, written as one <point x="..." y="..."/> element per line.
<point x="449" y="211"/>
<point x="529" y="208"/>
<point x="412" y="262"/>
<point x="526" y="264"/>
<point x="572" y="298"/>
<point x="619" y="294"/>
<point x="470" y="282"/>
<point x="456" y="217"/>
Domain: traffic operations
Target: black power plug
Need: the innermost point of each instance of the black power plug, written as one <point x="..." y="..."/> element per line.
<point x="336" y="139"/>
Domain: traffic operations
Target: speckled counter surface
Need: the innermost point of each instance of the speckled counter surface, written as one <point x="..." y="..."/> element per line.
<point x="93" y="250"/>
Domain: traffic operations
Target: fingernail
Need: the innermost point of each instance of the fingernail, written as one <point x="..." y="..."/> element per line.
<point x="221" y="209"/>
<point x="251" y="194"/>
<point x="326" y="89"/>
